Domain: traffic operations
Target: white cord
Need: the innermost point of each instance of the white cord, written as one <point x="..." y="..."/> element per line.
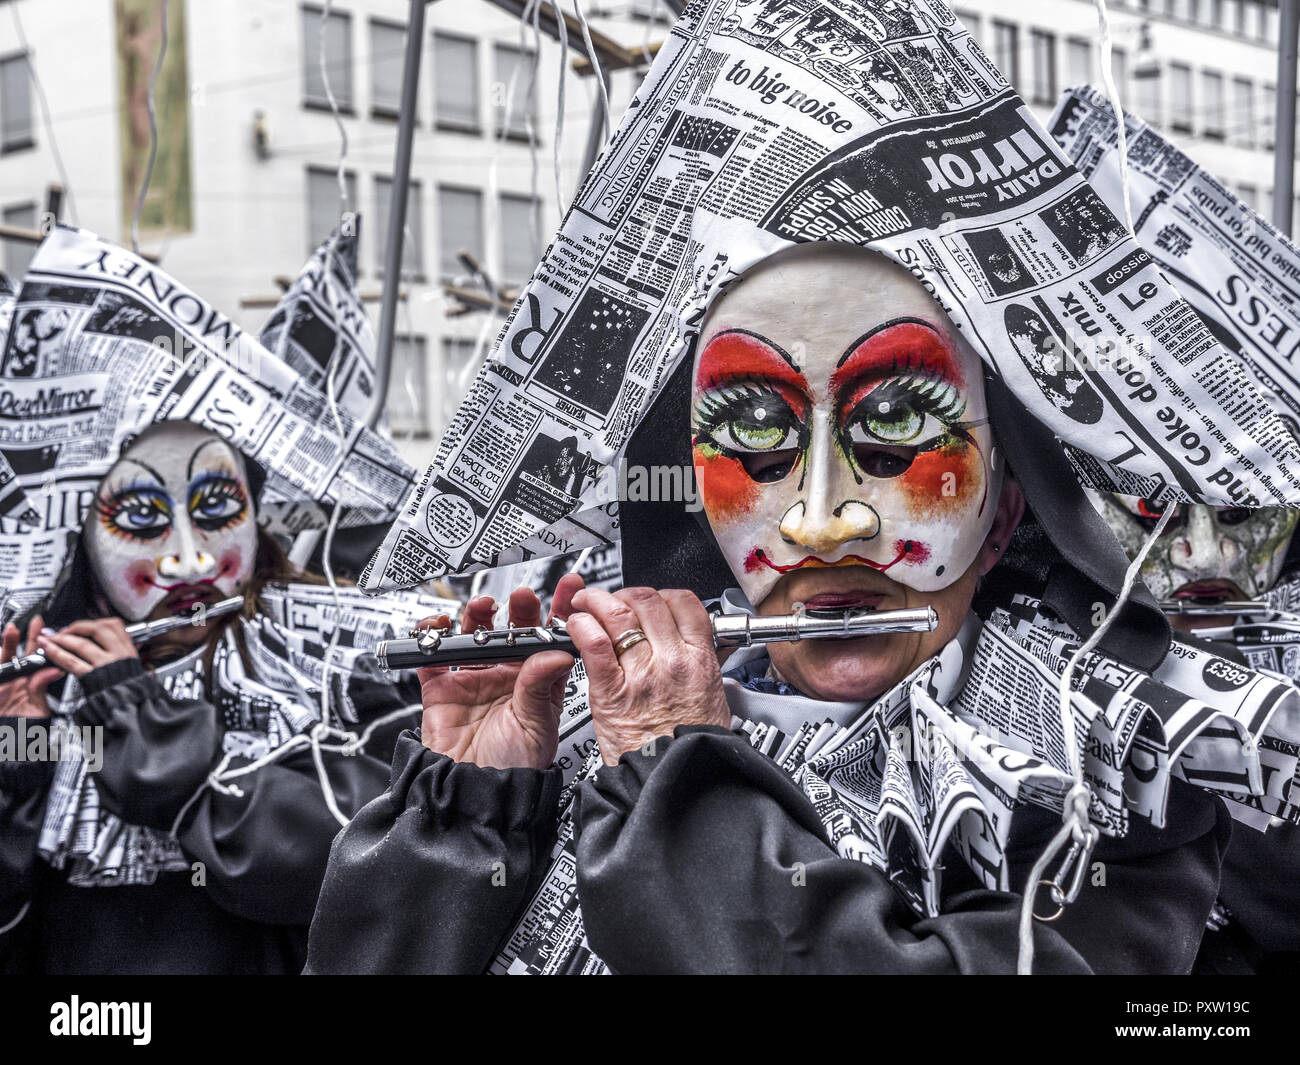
<point x="597" y="70"/>
<point x="153" y="130"/>
<point x="1075" y="816"/>
<point x="45" y="111"/>
<point x="17" y="920"/>
<point x="339" y="174"/>
<point x="563" y="30"/>
<point x="1108" y="80"/>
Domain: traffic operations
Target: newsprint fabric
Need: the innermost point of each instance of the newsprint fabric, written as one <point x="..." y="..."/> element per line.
<point x="764" y="124"/>
<point x="1233" y="266"/>
<point x="953" y="752"/>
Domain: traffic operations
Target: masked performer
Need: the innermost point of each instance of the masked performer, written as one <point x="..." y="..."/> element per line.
<point x="174" y="811"/>
<point x="1209" y="556"/>
<point x="873" y="804"/>
<point x="846" y="459"/>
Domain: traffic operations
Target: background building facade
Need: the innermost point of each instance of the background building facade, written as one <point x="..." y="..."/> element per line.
<point x="246" y="180"/>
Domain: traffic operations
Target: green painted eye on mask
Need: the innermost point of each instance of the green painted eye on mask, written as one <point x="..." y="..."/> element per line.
<point x="1205" y="552"/>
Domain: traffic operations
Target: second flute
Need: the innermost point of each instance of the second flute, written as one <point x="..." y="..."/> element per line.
<point x="429" y="647"/>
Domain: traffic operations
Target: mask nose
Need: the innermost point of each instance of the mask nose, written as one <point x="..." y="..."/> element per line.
<point x="830" y="514"/>
<point x="190" y="562"/>
<point x="1200" y="548"/>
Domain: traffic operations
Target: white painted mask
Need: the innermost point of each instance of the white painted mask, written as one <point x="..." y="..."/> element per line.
<point x="838" y="418"/>
<point x="1205" y="553"/>
<point x="173" y="523"/>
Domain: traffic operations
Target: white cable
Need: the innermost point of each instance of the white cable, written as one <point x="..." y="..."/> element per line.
<point x="153" y="130"/>
<point x="563" y="30"/>
<point x="596" y="68"/>
<point x="334" y="109"/>
<point x="45" y="110"/>
<point x="1075" y="815"/>
<point x="17" y="920"/>
<point x="1108" y="80"/>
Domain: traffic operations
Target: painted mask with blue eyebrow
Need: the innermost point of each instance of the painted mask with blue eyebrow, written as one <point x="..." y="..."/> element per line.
<point x="173" y="524"/>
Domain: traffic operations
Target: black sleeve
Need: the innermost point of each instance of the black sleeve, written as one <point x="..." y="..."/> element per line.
<point x="706" y="857"/>
<point x="431" y="875"/>
<point x="157" y="750"/>
<point x="264" y="847"/>
<point x="23" y="789"/>
<point x="1147" y="895"/>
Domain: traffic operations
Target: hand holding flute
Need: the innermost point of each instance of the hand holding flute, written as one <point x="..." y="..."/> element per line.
<point x="649" y="655"/>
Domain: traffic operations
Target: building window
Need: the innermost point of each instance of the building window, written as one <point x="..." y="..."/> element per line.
<point x="1043" y="48"/>
<point x="324" y="208"/>
<point x="413" y="242"/>
<point x="338" y="58"/>
<point x="650" y="11"/>
<point x="408" y="387"/>
<point x="514" y="106"/>
<point x="1078" y="62"/>
<point x="1181" y="114"/>
<point x="15" y="104"/>
<point x="455" y="82"/>
<point x="519" y="235"/>
<point x="1006" y="50"/>
<point x="1268" y="117"/>
<point x="387" y="54"/>
<point x="1252" y="19"/>
<point x="18" y="253"/>
<point x="457" y="353"/>
<point x="1146" y="100"/>
<point x="460" y="228"/>
<point x="1242" y="111"/>
<point x="1212" y="104"/>
<point x="1119" y="68"/>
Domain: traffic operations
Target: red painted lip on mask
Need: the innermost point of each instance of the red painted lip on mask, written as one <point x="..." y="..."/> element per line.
<point x="912" y="550"/>
<point x="1218" y="590"/>
<point x="181" y="597"/>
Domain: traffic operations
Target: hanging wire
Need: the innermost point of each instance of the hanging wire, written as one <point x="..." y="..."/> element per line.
<point x="562" y="28"/>
<point x="45" y="111"/>
<point x="153" y="128"/>
<point x="596" y="68"/>
<point x="340" y="174"/>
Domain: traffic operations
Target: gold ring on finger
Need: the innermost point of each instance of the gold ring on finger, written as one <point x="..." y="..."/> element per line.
<point x="629" y="639"/>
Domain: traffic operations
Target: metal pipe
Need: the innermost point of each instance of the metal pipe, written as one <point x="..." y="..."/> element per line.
<point x="1284" y="141"/>
<point x="397" y="210"/>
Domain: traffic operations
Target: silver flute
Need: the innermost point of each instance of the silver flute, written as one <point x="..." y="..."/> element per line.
<point x="487" y="647"/>
<point x="141" y="632"/>
<point x="1192" y="608"/>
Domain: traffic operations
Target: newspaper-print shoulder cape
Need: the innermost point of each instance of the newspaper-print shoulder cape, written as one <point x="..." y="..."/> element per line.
<point x="951" y="755"/>
<point x="882" y="124"/>
<point x="295" y="671"/>
<point x="102" y="344"/>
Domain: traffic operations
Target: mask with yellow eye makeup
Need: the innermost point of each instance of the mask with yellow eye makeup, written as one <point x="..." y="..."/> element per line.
<point x="173" y="523"/>
<point x="838" y="419"/>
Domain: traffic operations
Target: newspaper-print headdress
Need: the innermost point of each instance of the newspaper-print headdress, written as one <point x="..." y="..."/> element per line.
<point x="1238" y="271"/>
<point x="103" y="344"/>
<point x="762" y="125"/>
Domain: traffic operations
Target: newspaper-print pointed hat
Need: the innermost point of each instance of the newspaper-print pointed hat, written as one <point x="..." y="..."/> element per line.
<point x="103" y="344"/>
<point x="762" y="124"/>
<point x="1240" y="273"/>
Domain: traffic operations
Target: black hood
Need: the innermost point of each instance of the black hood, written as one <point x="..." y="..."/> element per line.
<point x="1062" y="551"/>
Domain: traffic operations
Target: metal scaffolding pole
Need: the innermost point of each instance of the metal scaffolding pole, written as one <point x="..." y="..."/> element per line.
<point x="1284" y="141"/>
<point x="397" y="211"/>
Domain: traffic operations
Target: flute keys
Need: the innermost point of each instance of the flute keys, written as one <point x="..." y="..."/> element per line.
<point x="427" y="640"/>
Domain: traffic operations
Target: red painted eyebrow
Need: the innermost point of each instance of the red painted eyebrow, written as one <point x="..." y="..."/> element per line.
<point x="738" y="354"/>
<point x="906" y="344"/>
